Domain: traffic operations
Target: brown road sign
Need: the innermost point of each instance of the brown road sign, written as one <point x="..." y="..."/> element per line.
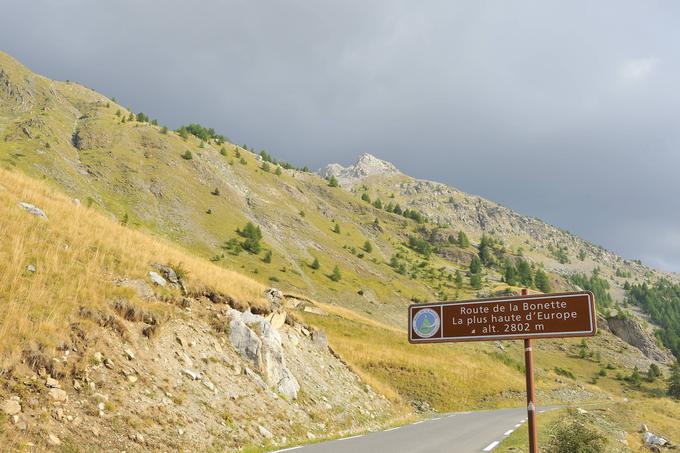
<point x="517" y="317"/>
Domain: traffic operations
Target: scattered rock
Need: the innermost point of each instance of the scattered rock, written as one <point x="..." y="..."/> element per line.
<point x="11" y="407"/>
<point x="652" y="439"/>
<point x="288" y="386"/>
<point x="139" y="438"/>
<point x="264" y="432"/>
<point x="194" y="375"/>
<point x="30" y="268"/>
<point x="209" y="385"/>
<point x="274" y="296"/>
<point x="500" y="346"/>
<point x="167" y="272"/>
<point x="132" y="379"/>
<point x="31" y="209"/>
<point x="129" y="354"/>
<point x="157" y="279"/>
<point x="422" y="406"/>
<point x="58" y="395"/>
<point x="52" y="383"/>
<point x="53" y="440"/>
<point x="319" y="338"/>
<point x="278" y="319"/>
<point x="98" y="358"/>
<point x="108" y="363"/>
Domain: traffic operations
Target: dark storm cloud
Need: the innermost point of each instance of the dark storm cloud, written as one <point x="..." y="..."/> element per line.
<point x="563" y="110"/>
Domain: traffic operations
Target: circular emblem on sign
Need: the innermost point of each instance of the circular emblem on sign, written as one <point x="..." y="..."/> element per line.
<point x="426" y="323"/>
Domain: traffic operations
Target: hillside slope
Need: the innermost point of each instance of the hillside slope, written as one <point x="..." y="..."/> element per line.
<point x="197" y="189"/>
<point x="182" y="372"/>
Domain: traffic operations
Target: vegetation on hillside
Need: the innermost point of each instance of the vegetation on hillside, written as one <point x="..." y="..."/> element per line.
<point x="598" y="285"/>
<point x="662" y="301"/>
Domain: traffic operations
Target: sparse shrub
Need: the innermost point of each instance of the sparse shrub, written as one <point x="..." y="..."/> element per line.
<point x="333" y="182"/>
<point x="265" y="167"/>
<point x="365" y="197"/>
<point x="223" y="151"/>
<point x="674" y="382"/>
<point x="336" y="276"/>
<point x="368" y="248"/>
<point x="564" y="372"/>
<point x="278" y="171"/>
<point x="267" y="257"/>
<point x="187" y="155"/>
<point x="315" y="264"/>
<point x="575" y="435"/>
<point x="243" y="161"/>
<point x="164" y="130"/>
<point x="463" y="240"/>
<point x="653" y="372"/>
<point x="336" y="228"/>
<point x="216" y="192"/>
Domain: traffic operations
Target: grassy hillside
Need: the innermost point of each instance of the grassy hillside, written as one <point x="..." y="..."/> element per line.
<point x="78" y="256"/>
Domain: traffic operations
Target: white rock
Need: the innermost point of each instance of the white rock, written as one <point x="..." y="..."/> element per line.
<point x="194" y="375"/>
<point x="264" y="432"/>
<point x="31" y="209"/>
<point x="30" y="268"/>
<point x="653" y="439"/>
<point x="278" y="319"/>
<point x="53" y="440"/>
<point x="129" y="354"/>
<point x="157" y="279"/>
<point x="52" y="383"/>
<point x="58" y="395"/>
<point x="209" y="385"/>
<point x="11" y="407"/>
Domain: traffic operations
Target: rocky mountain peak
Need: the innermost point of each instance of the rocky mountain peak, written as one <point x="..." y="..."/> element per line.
<point x="366" y="165"/>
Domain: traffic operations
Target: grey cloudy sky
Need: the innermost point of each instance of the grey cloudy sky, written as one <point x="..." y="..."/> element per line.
<point x="567" y="111"/>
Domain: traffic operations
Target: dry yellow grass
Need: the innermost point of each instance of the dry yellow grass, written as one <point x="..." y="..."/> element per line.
<point x="78" y="254"/>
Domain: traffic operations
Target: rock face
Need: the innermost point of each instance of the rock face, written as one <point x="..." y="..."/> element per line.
<point x="264" y="349"/>
<point x="366" y="165"/>
<point x="632" y="332"/>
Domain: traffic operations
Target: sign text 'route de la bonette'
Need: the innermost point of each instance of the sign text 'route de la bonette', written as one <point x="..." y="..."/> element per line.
<point x="516" y="317"/>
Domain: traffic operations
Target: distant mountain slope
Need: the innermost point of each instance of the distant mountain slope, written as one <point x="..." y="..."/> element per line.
<point x="200" y="192"/>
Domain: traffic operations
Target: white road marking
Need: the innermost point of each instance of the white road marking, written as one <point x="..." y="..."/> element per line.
<point x="508" y="432"/>
<point x="351" y="437"/>
<point x="452" y="415"/>
<point x="418" y="423"/>
<point x="433" y="419"/>
<point x="518" y="425"/>
<point x="540" y="412"/>
<point x="492" y="445"/>
<point x="391" y="429"/>
<point x="287" y="449"/>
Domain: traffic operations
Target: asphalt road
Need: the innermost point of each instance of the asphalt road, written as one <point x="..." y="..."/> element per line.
<point x="464" y="432"/>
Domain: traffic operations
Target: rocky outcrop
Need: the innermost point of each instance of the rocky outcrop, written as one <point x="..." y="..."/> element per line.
<point x="366" y="165"/>
<point x="632" y="332"/>
<point x="254" y="337"/>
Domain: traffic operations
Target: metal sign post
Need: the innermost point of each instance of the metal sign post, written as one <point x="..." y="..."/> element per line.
<point x="507" y="318"/>
<point x="531" y="392"/>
